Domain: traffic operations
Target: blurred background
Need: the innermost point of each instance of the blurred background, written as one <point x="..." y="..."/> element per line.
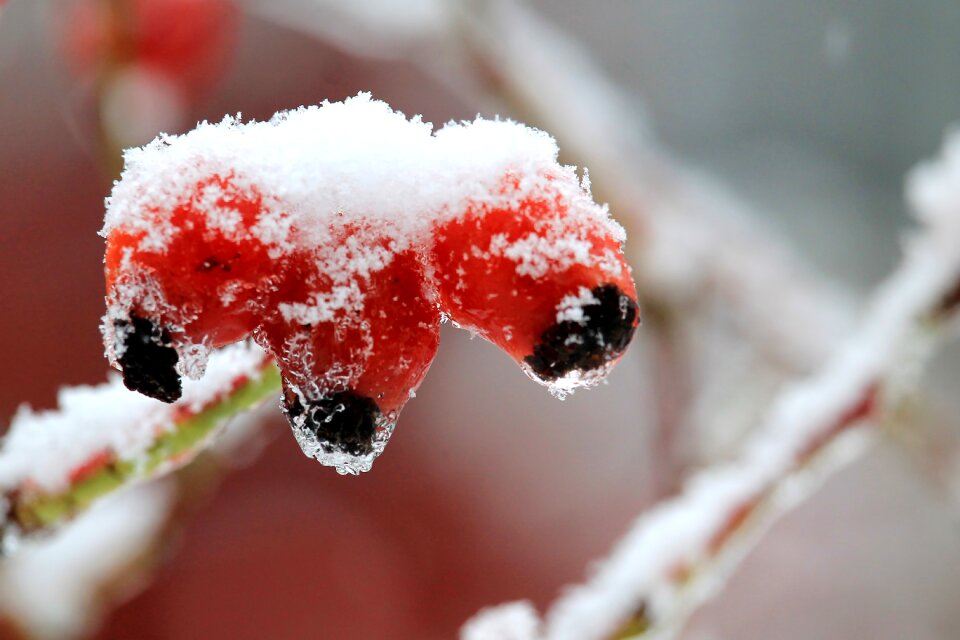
<point x="492" y="490"/>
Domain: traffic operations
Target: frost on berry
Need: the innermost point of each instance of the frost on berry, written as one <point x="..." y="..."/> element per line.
<point x="352" y="351"/>
<point x="337" y="237"/>
<point x="540" y="275"/>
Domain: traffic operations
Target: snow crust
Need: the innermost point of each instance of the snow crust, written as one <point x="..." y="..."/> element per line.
<point x="355" y="161"/>
<point x="881" y="352"/>
<point x="43" y="447"/>
<point x="52" y="586"/>
<point x="512" y="621"/>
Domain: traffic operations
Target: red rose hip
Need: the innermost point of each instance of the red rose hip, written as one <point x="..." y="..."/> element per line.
<point x="542" y="277"/>
<point x="351" y="350"/>
<point x="348" y="319"/>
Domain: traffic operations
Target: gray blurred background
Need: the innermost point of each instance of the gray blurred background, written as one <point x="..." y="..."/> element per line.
<point x="492" y="490"/>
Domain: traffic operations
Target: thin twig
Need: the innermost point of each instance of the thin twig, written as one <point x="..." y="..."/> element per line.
<point x="47" y="478"/>
<point x="677" y="555"/>
<point x="687" y="236"/>
<point x="672" y="398"/>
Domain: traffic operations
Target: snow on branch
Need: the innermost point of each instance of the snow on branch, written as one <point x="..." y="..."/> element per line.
<point x="677" y="554"/>
<point x="687" y="235"/>
<point x="56" y="586"/>
<point x="514" y="621"/>
<point x="55" y="464"/>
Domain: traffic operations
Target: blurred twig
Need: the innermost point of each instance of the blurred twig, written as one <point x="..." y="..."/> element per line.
<point x="35" y="444"/>
<point x="687" y="237"/>
<point x="672" y="398"/>
<point x="57" y="586"/>
<point x="678" y="554"/>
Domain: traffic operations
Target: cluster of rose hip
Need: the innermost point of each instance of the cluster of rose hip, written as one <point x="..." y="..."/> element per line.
<point x="354" y="336"/>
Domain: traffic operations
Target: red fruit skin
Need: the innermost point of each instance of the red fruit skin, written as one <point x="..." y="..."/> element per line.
<point x="190" y="41"/>
<point x="348" y="318"/>
<point x="211" y="283"/>
<point x="482" y="288"/>
<point x="404" y="327"/>
<point x="380" y="349"/>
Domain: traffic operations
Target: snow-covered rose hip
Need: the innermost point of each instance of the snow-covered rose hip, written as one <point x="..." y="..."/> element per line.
<point x="540" y="273"/>
<point x="336" y="236"/>
<point x="352" y="349"/>
<point x="347" y="317"/>
<point x="181" y="281"/>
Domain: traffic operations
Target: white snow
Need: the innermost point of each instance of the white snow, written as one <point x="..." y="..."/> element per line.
<point x="678" y="533"/>
<point x="44" y="447"/>
<point x="535" y="254"/>
<point x="512" y="621"/>
<point x="356" y="161"/>
<point x="52" y="587"/>
<point x="933" y="190"/>
<point x="571" y="306"/>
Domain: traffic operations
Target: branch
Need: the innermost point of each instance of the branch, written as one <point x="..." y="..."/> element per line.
<point x="676" y="555"/>
<point x="688" y="237"/>
<point x="670" y="371"/>
<point x="55" y="464"/>
<point x="57" y="586"/>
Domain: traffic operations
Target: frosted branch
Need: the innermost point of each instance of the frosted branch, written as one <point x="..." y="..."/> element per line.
<point x="688" y="236"/>
<point x="54" y="587"/>
<point x="514" y="621"/>
<point x="677" y="554"/>
<point x="55" y="464"/>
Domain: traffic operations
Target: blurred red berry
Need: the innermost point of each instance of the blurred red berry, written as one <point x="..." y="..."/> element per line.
<point x="190" y="41"/>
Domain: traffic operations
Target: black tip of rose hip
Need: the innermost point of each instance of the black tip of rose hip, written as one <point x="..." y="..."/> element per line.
<point x="603" y="335"/>
<point x="344" y="421"/>
<point x="148" y="361"/>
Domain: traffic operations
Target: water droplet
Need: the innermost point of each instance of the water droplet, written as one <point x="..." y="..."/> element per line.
<point x="330" y="455"/>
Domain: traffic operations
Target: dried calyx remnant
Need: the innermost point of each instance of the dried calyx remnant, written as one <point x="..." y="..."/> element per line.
<point x="601" y="337"/>
<point x="147" y="360"/>
<point x="338" y="237"/>
<point x="343" y="421"/>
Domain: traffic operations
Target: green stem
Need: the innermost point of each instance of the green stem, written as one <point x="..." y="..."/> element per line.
<point x="37" y="512"/>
